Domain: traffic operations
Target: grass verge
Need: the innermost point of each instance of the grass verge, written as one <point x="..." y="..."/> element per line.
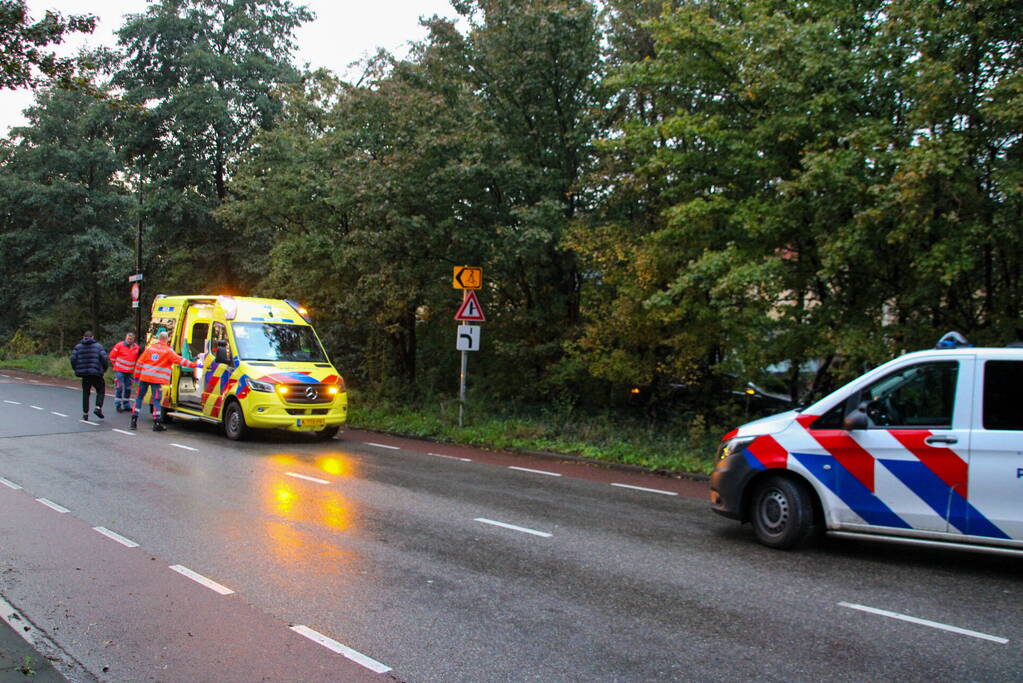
<point x="607" y="437"/>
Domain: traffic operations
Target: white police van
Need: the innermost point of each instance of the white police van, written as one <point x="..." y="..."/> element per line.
<point x="926" y="449"/>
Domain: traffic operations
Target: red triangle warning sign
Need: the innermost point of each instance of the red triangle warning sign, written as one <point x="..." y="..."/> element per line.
<point x="470" y="310"/>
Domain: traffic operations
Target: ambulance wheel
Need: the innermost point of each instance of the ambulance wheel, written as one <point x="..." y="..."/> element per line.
<point x="234" y="422"/>
<point x="328" y="433"/>
<point x="782" y="513"/>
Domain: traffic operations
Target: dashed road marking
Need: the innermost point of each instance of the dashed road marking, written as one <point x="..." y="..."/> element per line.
<point x="35" y="407"/>
<point x="53" y="506"/>
<point x="54" y="412"/>
<point x="382" y="445"/>
<point x="199" y="578"/>
<point x="13" y="403"/>
<point x="116" y="536"/>
<point x="307" y="478"/>
<point x="926" y="622"/>
<point x="526" y="469"/>
<point x="92" y="424"/>
<point x="121" y="431"/>
<point x="523" y="529"/>
<point x="9" y="484"/>
<point x="183" y="447"/>
<point x="343" y="650"/>
<point x="451" y="457"/>
<point x="643" y="488"/>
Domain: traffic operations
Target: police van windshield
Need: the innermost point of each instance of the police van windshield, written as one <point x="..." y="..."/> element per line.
<point x="277" y="342"/>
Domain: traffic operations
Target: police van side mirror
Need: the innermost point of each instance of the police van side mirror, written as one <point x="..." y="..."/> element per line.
<point x="857" y="419"/>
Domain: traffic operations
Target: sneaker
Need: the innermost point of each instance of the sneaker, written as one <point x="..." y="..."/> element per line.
<point x="134" y="421"/>
<point x="85" y="416"/>
<point x="158" y="427"/>
<point x="98" y="413"/>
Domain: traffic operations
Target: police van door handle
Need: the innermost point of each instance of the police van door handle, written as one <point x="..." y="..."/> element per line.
<point x="930" y="440"/>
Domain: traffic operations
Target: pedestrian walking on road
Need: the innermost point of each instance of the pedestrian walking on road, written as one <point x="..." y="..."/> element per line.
<point x="89" y="361"/>
<point x="153" y="370"/>
<point x="123" y="357"/>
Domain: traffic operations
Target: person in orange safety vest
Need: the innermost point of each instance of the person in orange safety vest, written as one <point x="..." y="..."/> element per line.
<point x="123" y="357"/>
<point x="153" y="370"/>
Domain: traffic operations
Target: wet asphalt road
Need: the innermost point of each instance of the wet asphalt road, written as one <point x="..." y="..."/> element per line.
<point x="395" y="553"/>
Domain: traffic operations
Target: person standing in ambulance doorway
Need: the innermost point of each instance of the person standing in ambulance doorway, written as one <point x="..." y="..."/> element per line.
<point x="89" y="361"/>
<point x="123" y="357"/>
<point x="153" y="370"/>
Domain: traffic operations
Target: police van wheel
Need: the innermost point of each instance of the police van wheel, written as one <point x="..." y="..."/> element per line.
<point x="234" y="422"/>
<point x="782" y="513"/>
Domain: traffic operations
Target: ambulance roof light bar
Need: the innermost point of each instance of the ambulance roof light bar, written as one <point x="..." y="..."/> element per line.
<point x="229" y="305"/>
<point x="299" y="309"/>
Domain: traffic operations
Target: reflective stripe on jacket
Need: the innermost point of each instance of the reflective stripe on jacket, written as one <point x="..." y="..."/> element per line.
<point x="155" y="363"/>
<point x="123" y="356"/>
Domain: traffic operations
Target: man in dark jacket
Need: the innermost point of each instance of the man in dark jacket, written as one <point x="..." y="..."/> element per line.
<point x="89" y="361"/>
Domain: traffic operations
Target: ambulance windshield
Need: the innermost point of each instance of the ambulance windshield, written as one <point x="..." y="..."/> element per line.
<point x="278" y="342"/>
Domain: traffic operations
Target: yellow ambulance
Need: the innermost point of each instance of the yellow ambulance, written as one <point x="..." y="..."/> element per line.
<point x="260" y="365"/>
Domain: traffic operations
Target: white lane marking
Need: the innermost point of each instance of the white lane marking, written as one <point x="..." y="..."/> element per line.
<point x="91" y="424"/>
<point x="526" y="469"/>
<point x="13" y="403"/>
<point x="523" y="529"/>
<point x="121" y="431"/>
<point x="5" y="376"/>
<point x="925" y="622"/>
<point x="642" y="488"/>
<point x="50" y="504"/>
<point x="307" y="478"/>
<point x="199" y="578"/>
<point x="8" y="483"/>
<point x="382" y="445"/>
<point x="452" y="457"/>
<point x="54" y="412"/>
<point x="187" y="448"/>
<point x="343" y="650"/>
<point x="35" y="407"/>
<point x="116" y="536"/>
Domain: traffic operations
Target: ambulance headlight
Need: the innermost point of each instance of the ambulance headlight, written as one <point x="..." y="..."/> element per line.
<point x="261" y="386"/>
<point x="732" y="446"/>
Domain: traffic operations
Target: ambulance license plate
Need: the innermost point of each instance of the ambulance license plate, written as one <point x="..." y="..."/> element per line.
<point x="312" y="421"/>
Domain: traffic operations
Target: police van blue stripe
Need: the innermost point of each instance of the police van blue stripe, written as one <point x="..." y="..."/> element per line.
<point x="850" y="490"/>
<point x="940" y="497"/>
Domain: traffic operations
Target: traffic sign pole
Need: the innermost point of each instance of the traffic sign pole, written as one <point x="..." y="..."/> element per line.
<point x="468" y="279"/>
<point x="461" y="389"/>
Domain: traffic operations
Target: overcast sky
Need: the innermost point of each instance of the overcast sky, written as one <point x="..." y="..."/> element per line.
<point x="343" y="32"/>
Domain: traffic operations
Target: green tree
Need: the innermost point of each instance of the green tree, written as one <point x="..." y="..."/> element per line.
<point x="781" y="187"/>
<point x="202" y="75"/>
<point x="470" y="152"/>
<point x="65" y="241"/>
<point x="25" y="60"/>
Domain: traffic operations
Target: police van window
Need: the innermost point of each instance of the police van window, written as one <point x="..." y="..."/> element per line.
<point x="918" y="396"/>
<point x="1002" y="407"/>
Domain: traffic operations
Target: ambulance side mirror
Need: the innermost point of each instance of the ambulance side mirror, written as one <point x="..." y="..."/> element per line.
<point x="857" y="419"/>
<point x="221" y="355"/>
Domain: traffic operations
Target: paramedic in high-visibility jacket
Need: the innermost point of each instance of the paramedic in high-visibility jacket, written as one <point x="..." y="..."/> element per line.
<point x="153" y="370"/>
<point x="123" y="357"/>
